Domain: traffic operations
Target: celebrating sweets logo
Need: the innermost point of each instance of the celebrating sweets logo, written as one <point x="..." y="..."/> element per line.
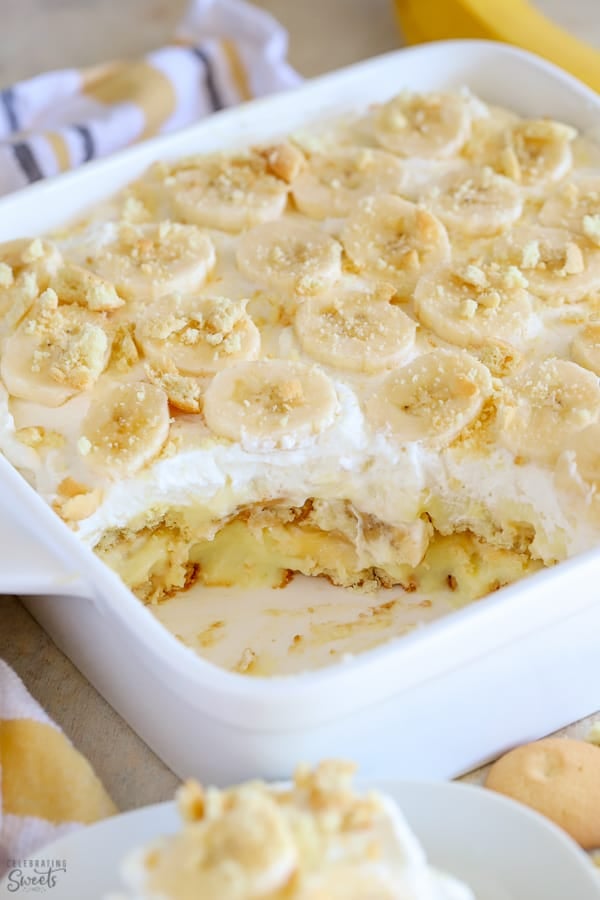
<point x="34" y="875"/>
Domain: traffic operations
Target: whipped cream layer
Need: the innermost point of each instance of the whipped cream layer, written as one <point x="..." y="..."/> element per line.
<point x="379" y="475"/>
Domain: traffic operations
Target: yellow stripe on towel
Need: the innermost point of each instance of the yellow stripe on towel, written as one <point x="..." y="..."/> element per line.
<point x="138" y="83"/>
<point x="60" y="149"/>
<point x="238" y="70"/>
<point x="44" y="776"/>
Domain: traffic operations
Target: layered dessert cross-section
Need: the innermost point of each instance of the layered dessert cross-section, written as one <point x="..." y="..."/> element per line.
<point x="344" y="354"/>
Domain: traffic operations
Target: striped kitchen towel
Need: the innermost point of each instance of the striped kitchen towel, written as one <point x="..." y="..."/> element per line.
<point x="224" y="52"/>
<point x="46" y="787"/>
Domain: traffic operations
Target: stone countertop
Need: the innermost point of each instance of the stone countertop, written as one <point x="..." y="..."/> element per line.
<point x="43" y="34"/>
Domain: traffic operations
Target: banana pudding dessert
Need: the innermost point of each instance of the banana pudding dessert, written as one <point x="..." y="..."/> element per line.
<point x="368" y="351"/>
<point x="317" y="839"/>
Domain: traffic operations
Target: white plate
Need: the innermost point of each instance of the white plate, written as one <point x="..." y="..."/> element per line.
<point x="501" y="849"/>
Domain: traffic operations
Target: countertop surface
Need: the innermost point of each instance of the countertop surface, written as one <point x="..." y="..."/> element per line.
<point x="42" y="34"/>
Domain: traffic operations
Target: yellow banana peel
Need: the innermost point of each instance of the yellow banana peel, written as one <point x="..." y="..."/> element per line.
<point x="511" y="21"/>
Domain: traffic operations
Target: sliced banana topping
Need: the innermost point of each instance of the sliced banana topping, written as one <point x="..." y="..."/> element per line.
<point x="576" y="206"/>
<point x="356" y="331"/>
<point x="290" y="256"/>
<point x="56" y="352"/>
<point x="423" y="176"/>
<point x="475" y="304"/>
<point x="20" y="286"/>
<point x="232" y="192"/>
<point x="125" y="428"/>
<point x="396" y="240"/>
<point x="477" y="202"/>
<point x="432" y="398"/>
<point x="425" y="125"/>
<point x="333" y="183"/>
<point x="197" y="335"/>
<point x="149" y="261"/>
<point x="585" y="348"/>
<point x="270" y="404"/>
<point x="544" y="405"/>
<point x="17" y="295"/>
<point x="560" y="266"/>
<point x="536" y="151"/>
<point x="400" y="276"/>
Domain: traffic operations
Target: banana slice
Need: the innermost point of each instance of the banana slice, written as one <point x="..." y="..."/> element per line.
<point x="232" y="192"/>
<point x="358" y="332"/>
<point x="476" y="202"/>
<point x="432" y="398"/>
<point x="544" y="406"/>
<point x="333" y="183"/>
<point x="584" y="446"/>
<point x="473" y="305"/>
<point x="17" y="295"/>
<point x="290" y="256"/>
<point x="270" y="404"/>
<point x="125" y="427"/>
<point x="575" y="205"/>
<point x="585" y="348"/>
<point x="422" y="176"/>
<point x="536" y="152"/>
<point x="149" y="261"/>
<point x="197" y="335"/>
<point x="55" y="353"/>
<point x="560" y="267"/>
<point x="395" y="239"/>
<point x="423" y="125"/>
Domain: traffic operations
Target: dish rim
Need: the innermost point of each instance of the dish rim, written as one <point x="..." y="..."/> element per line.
<point x="380" y="661"/>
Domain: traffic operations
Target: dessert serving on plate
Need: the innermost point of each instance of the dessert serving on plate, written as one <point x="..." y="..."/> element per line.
<point x="317" y="839"/>
<point x="368" y="352"/>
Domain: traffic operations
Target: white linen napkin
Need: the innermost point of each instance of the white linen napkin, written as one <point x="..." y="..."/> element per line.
<point x="224" y="52"/>
<point x="46" y="787"/>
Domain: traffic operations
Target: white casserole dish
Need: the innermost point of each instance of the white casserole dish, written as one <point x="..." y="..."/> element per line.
<point x="435" y="703"/>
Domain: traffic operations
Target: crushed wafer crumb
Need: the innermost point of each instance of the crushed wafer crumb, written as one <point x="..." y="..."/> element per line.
<point x="531" y="255"/>
<point x="574" y="263"/>
<point x="34" y="252"/>
<point x="284" y="161"/>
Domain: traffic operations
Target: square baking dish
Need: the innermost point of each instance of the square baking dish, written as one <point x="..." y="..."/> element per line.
<point x="444" y="698"/>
